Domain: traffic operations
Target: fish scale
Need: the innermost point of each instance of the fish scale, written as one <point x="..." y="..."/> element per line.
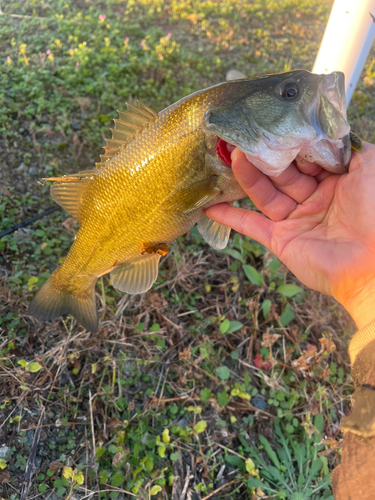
<point x="160" y="171"/>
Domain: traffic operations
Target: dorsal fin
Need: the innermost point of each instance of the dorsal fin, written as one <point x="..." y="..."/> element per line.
<point x="130" y="123"/>
<point x="68" y="191"/>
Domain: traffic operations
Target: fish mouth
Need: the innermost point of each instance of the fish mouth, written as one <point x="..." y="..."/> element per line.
<point x="333" y="86"/>
<point x="331" y="115"/>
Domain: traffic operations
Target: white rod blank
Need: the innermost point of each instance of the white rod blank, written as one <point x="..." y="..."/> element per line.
<point x="347" y="41"/>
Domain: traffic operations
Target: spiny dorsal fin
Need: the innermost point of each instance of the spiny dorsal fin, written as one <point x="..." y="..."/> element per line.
<point x="68" y="191"/>
<point x="130" y="123"/>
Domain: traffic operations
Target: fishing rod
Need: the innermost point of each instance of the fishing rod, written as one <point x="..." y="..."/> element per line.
<point x="29" y="221"/>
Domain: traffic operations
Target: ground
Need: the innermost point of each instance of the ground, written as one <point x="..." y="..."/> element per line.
<point x="229" y="378"/>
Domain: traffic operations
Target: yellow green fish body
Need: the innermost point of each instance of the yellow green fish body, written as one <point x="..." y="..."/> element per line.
<point x="159" y="172"/>
<point x="132" y="202"/>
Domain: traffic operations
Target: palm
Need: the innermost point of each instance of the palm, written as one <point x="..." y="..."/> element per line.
<point x="328" y="234"/>
<point x="321" y="227"/>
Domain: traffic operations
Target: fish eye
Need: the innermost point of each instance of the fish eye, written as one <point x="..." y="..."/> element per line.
<point x="289" y="91"/>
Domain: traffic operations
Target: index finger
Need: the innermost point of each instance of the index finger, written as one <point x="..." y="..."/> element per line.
<point x="260" y="189"/>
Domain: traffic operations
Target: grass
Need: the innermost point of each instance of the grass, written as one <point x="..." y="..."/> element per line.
<point x="228" y="379"/>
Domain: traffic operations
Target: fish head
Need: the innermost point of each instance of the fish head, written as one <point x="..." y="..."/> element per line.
<point x="275" y="118"/>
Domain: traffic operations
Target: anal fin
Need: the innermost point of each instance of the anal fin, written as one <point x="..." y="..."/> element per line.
<point x="214" y="233"/>
<point x="136" y="277"/>
<point x="195" y="196"/>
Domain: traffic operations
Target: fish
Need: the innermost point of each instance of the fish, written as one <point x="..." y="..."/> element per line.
<point x="161" y="170"/>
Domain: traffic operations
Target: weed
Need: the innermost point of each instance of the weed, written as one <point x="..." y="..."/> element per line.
<point x="295" y="471"/>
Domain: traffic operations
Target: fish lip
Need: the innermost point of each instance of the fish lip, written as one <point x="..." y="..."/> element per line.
<point x="331" y="98"/>
<point x="333" y="87"/>
<point x="331" y="105"/>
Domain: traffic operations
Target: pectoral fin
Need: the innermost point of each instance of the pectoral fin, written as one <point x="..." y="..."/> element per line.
<point x="137" y="277"/>
<point x="193" y="197"/>
<point x="215" y="234"/>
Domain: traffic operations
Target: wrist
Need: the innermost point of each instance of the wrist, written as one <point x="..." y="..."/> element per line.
<point x="359" y="343"/>
<point x="361" y="305"/>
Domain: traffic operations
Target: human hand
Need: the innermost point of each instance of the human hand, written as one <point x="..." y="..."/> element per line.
<point x="320" y="225"/>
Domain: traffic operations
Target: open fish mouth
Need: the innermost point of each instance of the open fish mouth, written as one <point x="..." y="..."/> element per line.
<point x="330" y="121"/>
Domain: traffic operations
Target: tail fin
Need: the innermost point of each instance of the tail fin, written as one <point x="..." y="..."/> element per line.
<point x="53" y="301"/>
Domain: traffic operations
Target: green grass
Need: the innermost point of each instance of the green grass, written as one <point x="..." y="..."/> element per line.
<point x="227" y="346"/>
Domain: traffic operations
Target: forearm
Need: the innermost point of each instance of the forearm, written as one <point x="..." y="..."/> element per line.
<point x="354" y="478"/>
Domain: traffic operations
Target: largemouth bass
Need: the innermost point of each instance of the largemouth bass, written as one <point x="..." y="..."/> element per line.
<point x="160" y="170"/>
